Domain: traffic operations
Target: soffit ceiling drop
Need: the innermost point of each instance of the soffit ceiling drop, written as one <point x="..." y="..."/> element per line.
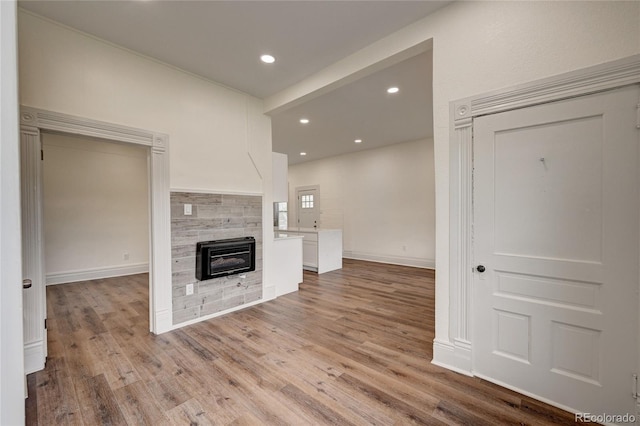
<point x="361" y="110"/>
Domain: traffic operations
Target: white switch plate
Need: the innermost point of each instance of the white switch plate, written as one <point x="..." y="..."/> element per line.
<point x="189" y="289"/>
<point x="187" y="210"/>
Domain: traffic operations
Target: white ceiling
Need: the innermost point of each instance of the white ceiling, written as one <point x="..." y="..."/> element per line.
<point x="222" y="41"/>
<point x="361" y="110"/>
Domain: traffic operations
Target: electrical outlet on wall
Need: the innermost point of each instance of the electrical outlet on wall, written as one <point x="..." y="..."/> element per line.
<point x="189" y="289"/>
<point x="125" y="255"/>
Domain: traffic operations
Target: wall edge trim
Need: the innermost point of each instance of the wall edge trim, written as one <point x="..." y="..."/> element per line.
<point x="393" y="260"/>
<point x="34" y="356"/>
<point x="96" y="273"/>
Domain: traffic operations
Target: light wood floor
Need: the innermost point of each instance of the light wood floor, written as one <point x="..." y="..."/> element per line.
<point x="351" y="347"/>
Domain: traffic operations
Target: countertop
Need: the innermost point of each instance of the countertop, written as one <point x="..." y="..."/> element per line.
<point x="307" y="230"/>
<point x="283" y="235"/>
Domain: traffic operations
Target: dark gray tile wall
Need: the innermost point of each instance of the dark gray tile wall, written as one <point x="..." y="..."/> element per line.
<point x="215" y="217"/>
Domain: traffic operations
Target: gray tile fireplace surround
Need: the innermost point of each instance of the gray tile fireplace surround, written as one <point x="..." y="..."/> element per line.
<point x="214" y="217"/>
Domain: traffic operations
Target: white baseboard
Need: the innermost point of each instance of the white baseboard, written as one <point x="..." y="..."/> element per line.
<point x="452" y="357"/>
<point x="394" y="260"/>
<point x="96" y="273"/>
<point x="34" y="357"/>
<point x="164" y="321"/>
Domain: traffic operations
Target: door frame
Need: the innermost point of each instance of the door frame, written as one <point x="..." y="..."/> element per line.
<point x="455" y="352"/>
<point x="34" y="120"/>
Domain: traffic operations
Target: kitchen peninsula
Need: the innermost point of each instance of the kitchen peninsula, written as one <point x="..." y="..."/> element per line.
<point x="321" y="248"/>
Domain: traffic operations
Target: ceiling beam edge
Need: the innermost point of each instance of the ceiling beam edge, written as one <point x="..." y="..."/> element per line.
<point x="377" y="56"/>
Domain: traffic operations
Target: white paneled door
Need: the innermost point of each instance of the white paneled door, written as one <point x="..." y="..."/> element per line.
<point x="308" y="207"/>
<point x="556" y="248"/>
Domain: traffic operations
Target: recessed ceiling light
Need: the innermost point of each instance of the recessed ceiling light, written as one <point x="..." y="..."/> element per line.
<point x="303" y="153"/>
<point x="267" y="59"/>
<point x="393" y="90"/>
<point x="358" y="141"/>
<point x="304" y="120"/>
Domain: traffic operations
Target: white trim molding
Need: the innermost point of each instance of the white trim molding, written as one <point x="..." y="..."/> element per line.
<point x="65" y="123"/>
<point x="34" y="356"/>
<point x="96" y="273"/>
<point x="159" y="211"/>
<point x="594" y="79"/>
<point x="416" y="262"/>
<point x="452" y="357"/>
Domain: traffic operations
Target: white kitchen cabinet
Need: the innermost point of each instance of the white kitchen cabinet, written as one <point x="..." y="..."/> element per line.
<point x="321" y="248"/>
<point x="310" y="254"/>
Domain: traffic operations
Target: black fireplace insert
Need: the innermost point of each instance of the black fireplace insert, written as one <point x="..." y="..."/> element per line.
<point x="225" y="257"/>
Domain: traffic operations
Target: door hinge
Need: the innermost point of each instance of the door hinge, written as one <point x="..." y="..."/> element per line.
<point x="634" y="386"/>
<point x="45" y="323"/>
<point x="41" y="155"/>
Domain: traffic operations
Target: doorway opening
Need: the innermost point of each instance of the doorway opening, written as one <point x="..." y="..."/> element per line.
<point x="95" y="203"/>
<point x="95" y="208"/>
<point x="35" y="123"/>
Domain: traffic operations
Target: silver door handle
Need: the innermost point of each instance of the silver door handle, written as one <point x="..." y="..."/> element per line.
<point x="26" y="283"/>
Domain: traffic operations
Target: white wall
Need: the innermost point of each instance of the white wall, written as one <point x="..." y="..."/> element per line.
<point x="12" y="390"/>
<point x="95" y="207"/>
<point x="219" y="138"/>
<point x="383" y="199"/>
<point x="280" y="177"/>
<point x="484" y="46"/>
<point x="66" y="71"/>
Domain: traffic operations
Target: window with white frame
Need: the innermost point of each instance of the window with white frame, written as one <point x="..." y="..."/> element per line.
<point x="282" y="215"/>
<point x="306" y="201"/>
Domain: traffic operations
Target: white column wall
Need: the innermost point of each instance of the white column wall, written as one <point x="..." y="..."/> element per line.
<point x="12" y="379"/>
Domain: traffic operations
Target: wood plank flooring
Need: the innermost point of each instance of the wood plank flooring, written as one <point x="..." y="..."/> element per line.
<point x="352" y="347"/>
